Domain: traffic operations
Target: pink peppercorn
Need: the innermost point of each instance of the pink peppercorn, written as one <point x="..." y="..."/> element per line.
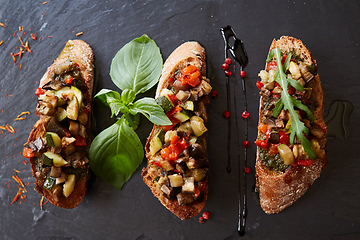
<point x="247" y="170"/>
<point x="246" y="144"/>
<point x="215" y="94"/>
<point x="242" y="74"/>
<point x="226" y="114"/>
<point x="245" y="114"/>
<point x="228" y="73"/>
<point x="206" y="215"/>
<point x="228" y="61"/>
<point x="225" y="66"/>
<point x="201" y="220"/>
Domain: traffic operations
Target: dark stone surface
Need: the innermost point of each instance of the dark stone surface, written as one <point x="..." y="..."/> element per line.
<point x="330" y="29"/>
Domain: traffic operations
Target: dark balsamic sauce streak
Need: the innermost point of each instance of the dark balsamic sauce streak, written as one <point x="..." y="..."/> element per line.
<point x="239" y="54"/>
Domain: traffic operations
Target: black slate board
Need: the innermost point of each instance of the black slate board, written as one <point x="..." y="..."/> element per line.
<point x="328" y="210"/>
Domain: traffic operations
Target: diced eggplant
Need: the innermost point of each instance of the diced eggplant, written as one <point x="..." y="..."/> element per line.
<point x="64" y="67"/>
<point x="279" y="123"/>
<point x="183" y="95"/>
<point x="197" y="125"/>
<point x="176" y="180"/>
<point x="196" y="151"/>
<point x="55" y="172"/>
<point x="198" y="174"/>
<point x="57" y="193"/>
<point x="274" y="137"/>
<point x="44" y="108"/>
<point x="179" y="86"/>
<point x="307" y="76"/>
<point x="37" y="145"/>
<point x="83" y="117"/>
<point x="269" y="122"/>
<point x="54" y="126"/>
<point x="188" y="186"/>
<point x="200" y="110"/>
<point x="169" y="192"/>
<point x="54" y="85"/>
<point x="184" y="199"/>
<point x="181" y="167"/>
<point x="206" y="87"/>
<point x="317" y="131"/>
<point x="62" y="178"/>
<point x="74" y="128"/>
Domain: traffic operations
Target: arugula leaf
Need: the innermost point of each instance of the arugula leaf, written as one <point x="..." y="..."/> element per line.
<point x="137" y="66"/>
<point x="287" y="102"/>
<point x="150" y="109"/>
<point x="118" y="152"/>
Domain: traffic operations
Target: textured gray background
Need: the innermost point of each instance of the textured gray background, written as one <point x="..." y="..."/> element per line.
<point x="330" y="29"/>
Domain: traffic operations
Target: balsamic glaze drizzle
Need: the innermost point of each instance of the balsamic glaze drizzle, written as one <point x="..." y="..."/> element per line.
<point x="239" y="54"/>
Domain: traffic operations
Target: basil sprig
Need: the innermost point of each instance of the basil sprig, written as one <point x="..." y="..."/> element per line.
<point x="289" y="103"/>
<point x="117" y="151"/>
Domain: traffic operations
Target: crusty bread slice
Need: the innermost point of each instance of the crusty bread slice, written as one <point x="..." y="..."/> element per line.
<point x="279" y="190"/>
<point x="189" y="53"/>
<point x="79" y="52"/>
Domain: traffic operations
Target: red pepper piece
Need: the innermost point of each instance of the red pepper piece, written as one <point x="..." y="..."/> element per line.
<point x="259" y="84"/>
<point x="39" y="91"/>
<point x="284" y="138"/>
<point x="80" y="141"/>
<point x="69" y="80"/>
<point x="28" y="153"/>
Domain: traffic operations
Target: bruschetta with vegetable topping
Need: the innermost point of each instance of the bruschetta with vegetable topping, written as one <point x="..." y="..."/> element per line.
<point x="58" y="143"/>
<point x="291" y="132"/>
<point x="177" y="167"/>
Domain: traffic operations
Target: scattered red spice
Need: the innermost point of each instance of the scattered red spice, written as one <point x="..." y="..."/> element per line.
<point x="9" y="128"/>
<point x="1" y="42"/>
<point x="247" y="170"/>
<point x="245" y="114"/>
<point x="79" y="33"/>
<point x="201" y="220"/>
<point x="1" y="24"/>
<point x="228" y="61"/>
<point x="206" y="215"/>
<point x="33" y="36"/>
<point x="21" y="188"/>
<point x="246" y="144"/>
<point x="259" y="85"/>
<point x="215" y="94"/>
<point x="44" y="3"/>
<point x="50" y="36"/>
<point x="243" y="74"/>
<point x="14" y="33"/>
<point x="228" y="72"/>
<point x="225" y="66"/>
<point x="7" y="96"/>
<point x="226" y="114"/>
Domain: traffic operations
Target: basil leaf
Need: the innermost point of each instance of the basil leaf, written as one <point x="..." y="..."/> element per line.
<point x="127" y="96"/>
<point x="113" y="100"/>
<point x="116" y="153"/>
<point x="137" y="66"/>
<point x="150" y="109"/>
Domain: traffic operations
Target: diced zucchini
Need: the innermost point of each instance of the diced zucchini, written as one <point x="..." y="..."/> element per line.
<point x="188" y="105"/>
<point x="69" y="185"/>
<point x="53" y="140"/>
<point x="78" y="94"/>
<point x="165" y="103"/>
<point x="192" y="139"/>
<point x="206" y="86"/>
<point x="188" y="186"/>
<point x="61" y="114"/>
<point x="72" y="109"/>
<point x="198" y="174"/>
<point x="176" y="180"/>
<point x="197" y="125"/>
<point x="157" y="142"/>
<point x="182" y="116"/>
<point x="50" y="159"/>
<point x="59" y="94"/>
<point x="49" y="183"/>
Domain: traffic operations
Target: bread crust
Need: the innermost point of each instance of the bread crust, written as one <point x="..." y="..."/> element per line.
<point x="79" y="52"/>
<point x="189" y="53"/>
<point x="280" y="190"/>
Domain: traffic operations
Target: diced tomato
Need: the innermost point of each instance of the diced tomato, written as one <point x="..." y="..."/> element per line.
<point x="86" y="111"/>
<point x="263" y="144"/>
<point x="190" y="75"/>
<point x="169" y="127"/>
<point x="28" y="153"/>
<point x="177" y="146"/>
<point x="284" y="138"/>
<point x="172" y="98"/>
<point x="80" y="141"/>
<point x="284" y="56"/>
<point x="263" y="128"/>
<point x="197" y="192"/>
<point x="39" y="91"/>
<point x="291" y="90"/>
<point x="174" y="139"/>
<point x="272" y="65"/>
<point x="273" y="150"/>
<point x="305" y="163"/>
<point x="69" y="80"/>
<point x="259" y="85"/>
<point x="157" y="164"/>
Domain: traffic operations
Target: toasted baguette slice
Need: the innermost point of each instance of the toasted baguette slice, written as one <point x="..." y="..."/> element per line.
<point x="279" y="189"/>
<point x="76" y="62"/>
<point x="155" y="175"/>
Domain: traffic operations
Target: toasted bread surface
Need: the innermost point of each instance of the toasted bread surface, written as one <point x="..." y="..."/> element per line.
<point x="79" y="52"/>
<point x="189" y="53"/>
<point x="278" y="190"/>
